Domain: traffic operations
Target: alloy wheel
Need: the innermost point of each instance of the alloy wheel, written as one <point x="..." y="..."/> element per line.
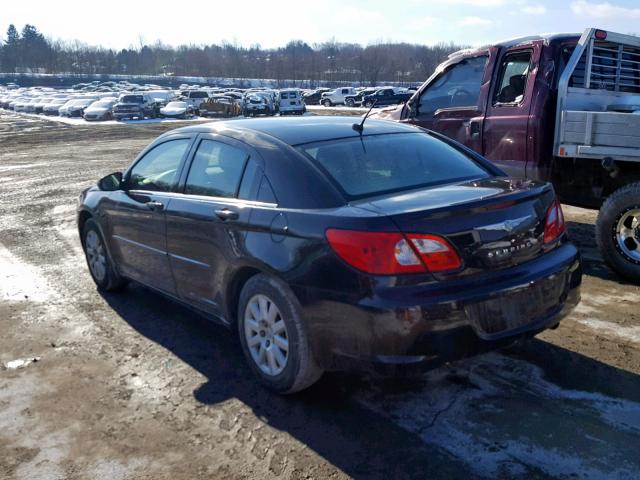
<point x="627" y="234"/>
<point x="266" y="335"/>
<point x="96" y="255"/>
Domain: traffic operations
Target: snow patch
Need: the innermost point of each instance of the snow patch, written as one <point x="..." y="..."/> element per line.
<point x="503" y="419"/>
<point x="19" y="281"/>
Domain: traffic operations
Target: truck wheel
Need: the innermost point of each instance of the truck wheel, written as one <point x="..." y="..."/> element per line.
<point x="326" y="103"/>
<point x="368" y="104"/>
<point x="618" y="231"/>
<point x="350" y="102"/>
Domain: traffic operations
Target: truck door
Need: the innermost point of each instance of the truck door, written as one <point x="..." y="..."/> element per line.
<point x="506" y="122"/>
<point x="454" y="102"/>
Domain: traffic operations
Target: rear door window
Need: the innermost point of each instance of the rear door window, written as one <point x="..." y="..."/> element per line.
<point x="377" y="164"/>
<point x="512" y="81"/>
<point x="216" y="170"/>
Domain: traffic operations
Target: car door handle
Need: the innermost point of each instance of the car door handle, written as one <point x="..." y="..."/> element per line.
<point x="227" y="214"/>
<point x="156" y="206"/>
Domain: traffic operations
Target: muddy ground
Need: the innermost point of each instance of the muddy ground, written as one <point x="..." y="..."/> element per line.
<point x="132" y="386"/>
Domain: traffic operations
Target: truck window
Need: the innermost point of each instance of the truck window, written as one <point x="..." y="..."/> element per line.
<point x="345" y="91"/>
<point x="512" y="81"/>
<point x="458" y="86"/>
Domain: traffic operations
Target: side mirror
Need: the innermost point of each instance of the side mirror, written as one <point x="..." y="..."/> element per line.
<point x="111" y="182"/>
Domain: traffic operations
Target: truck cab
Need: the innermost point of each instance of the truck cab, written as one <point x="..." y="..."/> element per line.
<point x="563" y="108"/>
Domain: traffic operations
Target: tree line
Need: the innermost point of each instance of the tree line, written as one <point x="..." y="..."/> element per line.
<point x="30" y="51"/>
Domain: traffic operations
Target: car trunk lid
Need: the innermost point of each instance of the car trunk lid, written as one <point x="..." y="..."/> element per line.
<point x="493" y="223"/>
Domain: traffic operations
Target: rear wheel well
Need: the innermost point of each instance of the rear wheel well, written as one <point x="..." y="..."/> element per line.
<point x="232" y="297"/>
<point x="82" y="219"/>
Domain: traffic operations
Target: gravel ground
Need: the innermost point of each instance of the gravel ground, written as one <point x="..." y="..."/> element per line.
<point x="132" y="386"/>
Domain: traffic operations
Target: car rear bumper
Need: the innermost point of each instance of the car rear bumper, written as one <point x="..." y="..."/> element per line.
<point x="444" y="321"/>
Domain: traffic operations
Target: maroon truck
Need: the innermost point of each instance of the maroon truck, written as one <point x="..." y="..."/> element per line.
<point x="563" y="108"/>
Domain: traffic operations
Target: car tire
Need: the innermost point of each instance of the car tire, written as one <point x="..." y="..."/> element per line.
<point x="350" y="102"/>
<point x="99" y="261"/>
<point x="368" y="104"/>
<point x="618" y="231"/>
<point x="326" y="103"/>
<point x="283" y="370"/>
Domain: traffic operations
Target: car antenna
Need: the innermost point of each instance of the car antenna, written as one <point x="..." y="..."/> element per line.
<point x="359" y="127"/>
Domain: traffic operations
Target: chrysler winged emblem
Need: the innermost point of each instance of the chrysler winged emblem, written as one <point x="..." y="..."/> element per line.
<point x="508" y="225"/>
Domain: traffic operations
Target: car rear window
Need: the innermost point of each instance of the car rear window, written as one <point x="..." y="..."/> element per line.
<point x="377" y="164"/>
<point x="131" y="99"/>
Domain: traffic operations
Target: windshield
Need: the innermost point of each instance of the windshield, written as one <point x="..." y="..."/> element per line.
<point x="371" y="165"/>
<point x="131" y="99"/>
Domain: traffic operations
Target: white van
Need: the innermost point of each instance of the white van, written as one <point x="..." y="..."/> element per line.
<point x="291" y="102"/>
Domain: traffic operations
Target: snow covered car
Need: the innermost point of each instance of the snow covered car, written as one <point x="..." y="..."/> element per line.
<point x="100" y="110"/>
<point x="75" y="107"/>
<point x="177" y="110"/>
<point x="53" y="107"/>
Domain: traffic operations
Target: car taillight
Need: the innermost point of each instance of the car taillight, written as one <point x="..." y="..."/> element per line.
<point x="554" y="223"/>
<point x="389" y="253"/>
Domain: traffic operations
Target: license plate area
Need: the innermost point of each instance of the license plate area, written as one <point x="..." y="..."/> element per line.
<point x="513" y="310"/>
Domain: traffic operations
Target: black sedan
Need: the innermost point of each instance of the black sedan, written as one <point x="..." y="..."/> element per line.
<point x="327" y="246"/>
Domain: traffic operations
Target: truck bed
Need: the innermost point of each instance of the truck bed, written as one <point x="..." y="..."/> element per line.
<point x="600" y="134"/>
<point x="598" y="110"/>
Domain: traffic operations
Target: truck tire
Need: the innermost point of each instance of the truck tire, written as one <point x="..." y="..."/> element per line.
<point x="350" y="102"/>
<point x="618" y="231"/>
<point x="326" y="103"/>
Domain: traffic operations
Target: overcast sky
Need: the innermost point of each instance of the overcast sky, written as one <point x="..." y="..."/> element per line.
<point x="120" y="24"/>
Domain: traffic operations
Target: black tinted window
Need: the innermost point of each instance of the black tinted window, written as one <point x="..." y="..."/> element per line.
<point x="158" y="169"/>
<point x="132" y="99"/>
<point x="265" y="192"/>
<point x="459" y="86"/>
<point x="385" y="163"/>
<point x="216" y="170"/>
<point x="248" y="180"/>
<point x="513" y="78"/>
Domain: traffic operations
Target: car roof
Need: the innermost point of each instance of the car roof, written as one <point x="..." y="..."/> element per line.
<point x="296" y="131"/>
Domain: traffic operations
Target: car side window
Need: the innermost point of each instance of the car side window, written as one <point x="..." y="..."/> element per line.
<point x="158" y="169"/>
<point x="265" y="192"/>
<point x="458" y="86"/>
<point x="512" y="81"/>
<point x="216" y="170"/>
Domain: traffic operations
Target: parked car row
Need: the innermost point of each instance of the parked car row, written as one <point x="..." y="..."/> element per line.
<point x="111" y="101"/>
<point x="363" y="97"/>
